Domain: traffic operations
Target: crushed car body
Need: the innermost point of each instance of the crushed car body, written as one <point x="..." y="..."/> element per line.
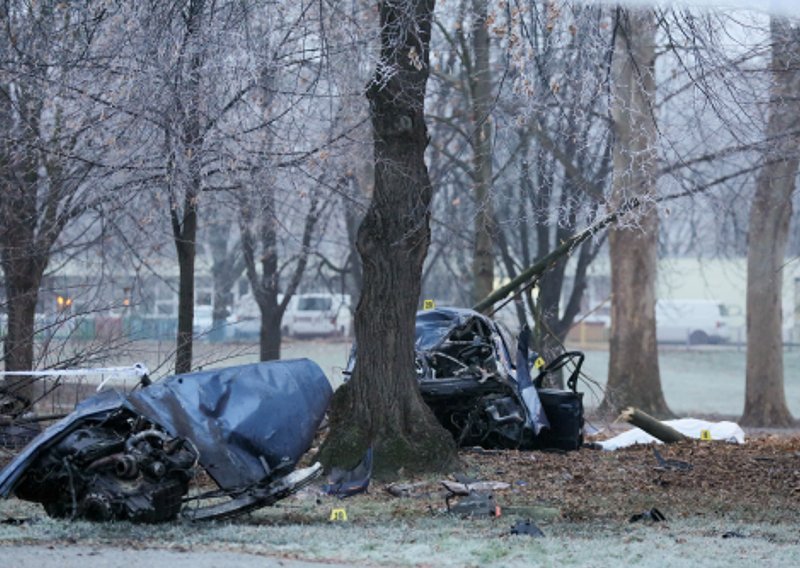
<point x="468" y="376"/>
<point x="119" y="457"/>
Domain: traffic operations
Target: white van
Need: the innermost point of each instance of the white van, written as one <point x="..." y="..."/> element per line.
<point x="319" y="314"/>
<point x="246" y="320"/>
<point x="691" y="321"/>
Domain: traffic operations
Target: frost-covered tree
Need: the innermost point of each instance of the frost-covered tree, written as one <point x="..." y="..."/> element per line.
<point x="55" y="56"/>
<point x="633" y="374"/>
<point x="770" y="214"/>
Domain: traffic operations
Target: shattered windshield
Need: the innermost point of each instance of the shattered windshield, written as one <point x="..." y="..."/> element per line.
<point x="433" y="326"/>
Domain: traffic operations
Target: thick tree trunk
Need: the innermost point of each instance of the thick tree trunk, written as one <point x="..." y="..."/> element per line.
<point x="633" y="374"/>
<point x="23" y="256"/>
<point x="481" y="91"/>
<point x="22" y="291"/>
<point x="380" y="407"/>
<point x="770" y="212"/>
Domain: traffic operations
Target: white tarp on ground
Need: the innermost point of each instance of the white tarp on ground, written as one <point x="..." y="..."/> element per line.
<point x="692" y="427"/>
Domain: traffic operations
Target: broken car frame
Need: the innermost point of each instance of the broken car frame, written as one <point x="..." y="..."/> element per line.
<point x="132" y="457"/>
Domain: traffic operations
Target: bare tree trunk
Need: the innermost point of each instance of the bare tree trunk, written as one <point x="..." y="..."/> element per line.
<point x="266" y="285"/>
<point x="267" y="296"/>
<point x="270" y="337"/>
<point x="42" y="168"/>
<point x="481" y="91"/>
<point x="226" y="269"/>
<point x="633" y="374"/>
<point x="22" y="291"/>
<point x="184" y="219"/>
<point x="770" y="212"/>
<point x="23" y="265"/>
<point x="380" y="407"/>
<point x="186" y="247"/>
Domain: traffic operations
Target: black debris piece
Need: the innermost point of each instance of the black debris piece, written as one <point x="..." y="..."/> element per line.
<point x="14" y="521"/>
<point x="475" y="504"/>
<point x="670" y="464"/>
<point x="346" y="483"/>
<point x="653" y="515"/>
<point x="526" y="527"/>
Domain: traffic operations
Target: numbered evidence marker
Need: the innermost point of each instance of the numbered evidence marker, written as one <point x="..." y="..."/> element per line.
<point x="705" y="435"/>
<point x="428" y="305"/>
<point x="338" y="515"/>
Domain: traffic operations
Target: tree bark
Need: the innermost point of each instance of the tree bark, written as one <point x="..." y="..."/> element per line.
<point x="23" y="261"/>
<point x="380" y="407"/>
<point x="633" y="373"/>
<point x="184" y="219"/>
<point x="770" y="212"/>
<point x="481" y="95"/>
<point x="22" y="282"/>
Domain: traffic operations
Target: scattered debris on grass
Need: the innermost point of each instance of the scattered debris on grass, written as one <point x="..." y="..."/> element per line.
<point x="526" y="528"/>
<point x="652" y="515"/>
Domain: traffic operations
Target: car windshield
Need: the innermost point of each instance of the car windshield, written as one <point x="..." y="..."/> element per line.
<point x="313" y="304"/>
<point x="433" y="326"/>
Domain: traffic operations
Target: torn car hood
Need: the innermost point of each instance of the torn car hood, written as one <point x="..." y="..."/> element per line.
<point x="245" y="421"/>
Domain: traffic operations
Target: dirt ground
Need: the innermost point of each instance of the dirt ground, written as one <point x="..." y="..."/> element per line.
<point x="756" y="481"/>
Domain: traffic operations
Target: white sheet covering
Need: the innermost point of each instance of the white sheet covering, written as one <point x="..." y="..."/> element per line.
<point x="692" y="427"/>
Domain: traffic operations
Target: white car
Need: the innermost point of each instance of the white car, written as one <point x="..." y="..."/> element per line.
<point x="319" y="315"/>
<point x="246" y="319"/>
<point x="692" y="321"/>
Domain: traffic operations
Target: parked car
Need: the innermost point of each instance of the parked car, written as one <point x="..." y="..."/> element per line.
<point x="246" y="318"/>
<point x="472" y="380"/>
<point x="692" y="321"/>
<point x="319" y="314"/>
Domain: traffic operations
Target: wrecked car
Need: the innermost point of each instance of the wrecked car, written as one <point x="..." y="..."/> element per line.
<point x="483" y="394"/>
<point x="119" y="457"/>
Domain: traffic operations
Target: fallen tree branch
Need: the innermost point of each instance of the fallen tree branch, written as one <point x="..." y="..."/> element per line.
<point x="531" y="274"/>
<point x="651" y="425"/>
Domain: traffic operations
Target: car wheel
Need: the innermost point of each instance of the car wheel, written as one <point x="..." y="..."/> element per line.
<point x="698" y="337"/>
